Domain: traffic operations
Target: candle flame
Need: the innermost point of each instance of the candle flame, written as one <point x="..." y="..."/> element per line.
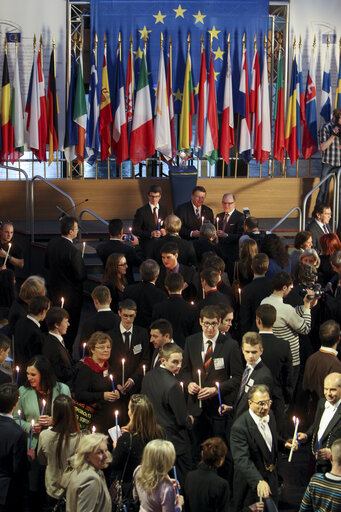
<point x="84" y="345"/>
<point x="116" y="413"/>
<point x="123" y="361"/>
<point x="17" y="369"/>
<point x="111" y="377"/>
<point x="32" y="423"/>
<point x="217" y="384"/>
<point x="44" y="402"/>
<point x="199" y="371"/>
<point x="93" y="429"/>
<point x="19" y="412"/>
<point x="9" y="245"/>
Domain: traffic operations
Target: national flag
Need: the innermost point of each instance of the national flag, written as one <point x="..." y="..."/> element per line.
<point x="105" y="114"/>
<point x="338" y="87"/>
<point x="119" y="141"/>
<point x="227" y="125"/>
<point x="187" y="107"/>
<point x="202" y="105"/>
<point x="243" y="109"/>
<point x="52" y="109"/>
<point x="266" y="119"/>
<point x="40" y="151"/>
<point x="71" y="128"/>
<point x="142" y="144"/>
<point x="212" y="140"/>
<point x="171" y="101"/>
<point x="293" y="125"/>
<point x="256" y="108"/>
<point x="17" y="115"/>
<point x="93" y="145"/>
<point x="80" y="113"/>
<point x="326" y="89"/>
<point x="162" y="133"/>
<point x="309" y="140"/>
<point x="300" y="79"/>
<point x="6" y="126"/>
<point x="279" y="113"/>
<point x="129" y="92"/>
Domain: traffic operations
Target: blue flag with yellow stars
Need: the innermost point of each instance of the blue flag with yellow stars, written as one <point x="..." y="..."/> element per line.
<point x="180" y="20"/>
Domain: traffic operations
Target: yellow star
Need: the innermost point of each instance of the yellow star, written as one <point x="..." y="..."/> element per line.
<point x="199" y="17"/>
<point x="218" y="54"/>
<point x="179" y="12"/>
<point x="196" y="89"/>
<point x="144" y="32"/>
<point x="214" y="33"/>
<point x="138" y="53"/>
<point x="216" y="73"/>
<point x="177" y="95"/>
<point x="155" y="90"/>
<point x="159" y="17"/>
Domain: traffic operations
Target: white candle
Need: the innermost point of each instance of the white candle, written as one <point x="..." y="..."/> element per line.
<point x="182" y="385"/>
<point x="240" y="295"/>
<point x="62" y="302"/>
<point x="43" y="408"/>
<point x="123" y="361"/>
<point x="199" y="382"/>
<point x="83" y="250"/>
<point x="260" y="491"/>
<point x="93" y="430"/>
<point x="116" y="424"/>
<point x="144" y="369"/>
<point x="217" y="219"/>
<point x="9" y="248"/>
<point x="202" y="220"/>
<point x="296" y="422"/>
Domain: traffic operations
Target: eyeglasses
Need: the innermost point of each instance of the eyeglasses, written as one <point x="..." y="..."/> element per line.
<point x="226" y="202"/>
<point x="154" y="196"/>
<point x="262" y="403"/>
<point x="102" y="348"/>
<point x="210" y="324"/>
<point x="123" y="264"/>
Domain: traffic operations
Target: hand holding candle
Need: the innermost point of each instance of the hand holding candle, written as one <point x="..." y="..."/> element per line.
<point x="7" y="254"/>
<point x="43" y="408"/>
<point x="112" y="382"/>
<point x="296" y="422"/>
<point x="158" y="224"/>
<point x="17" y="376"/>
<point x="199" y="383"/>
<point x="219" y="396"/>
<point x="83" y="249"/>
<point x="123" y="361"/>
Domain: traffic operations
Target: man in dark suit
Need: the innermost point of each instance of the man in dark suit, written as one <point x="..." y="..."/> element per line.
<point x="254" y="292"/>
<point x="194" y="213"/>
<point x="209" y="282"/>
<point x="320" y="224"/>
<point x="168" y="399"/>
<point x="148" y="221"/>
<point x="210" y="358"/>
<point x="326" y="427"/>
<point x="13" y="453"/>
<point x="54" y="349"/>
<point x="172" y="227"/>
<point x="182" y="316"/>
<point x="161" y="333"/>
<point x="130" y="249"/>
<point x="256" y="372"/>
<point x="254" y="447"/>
<point x="66" y="273"/>
<point x="145" y="294"/>
<point x="15" y="253"/>
<point x="277" y="357"/>
<point x="5" y="345"/>
<point x="104" y="319"/>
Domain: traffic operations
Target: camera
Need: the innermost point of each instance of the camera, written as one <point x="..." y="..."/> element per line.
<point x="307" y="279"/>
<point x="338" y="125"/>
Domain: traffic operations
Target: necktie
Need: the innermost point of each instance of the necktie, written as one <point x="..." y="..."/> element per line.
<point x="197" y="213"/>
<point x="244" y="381"/>
<point x="325" y="229"/>
<point x="266" y="432"/>
<point x="208" y="357"/>
<point x="126" y="335"/>
<point x="155" y="215"/>
<point x="225" y="221"/>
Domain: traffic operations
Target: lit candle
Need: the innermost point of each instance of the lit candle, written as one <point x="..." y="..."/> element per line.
<point x="260" y="492"/>
<point x="158" y="224"/>
<point x="93" y="430"/>
<point x="19" y="415"/>
<point x="62" y="302"/>
<point x="83" y="250"/>
<point x="192" y="302"/>
<point x="202" y="220"/>
<point x="84" y="345"/>
<point x="144" y="369"/>
<point x="182" y="385"/>
<point x="217" y="219"/>
<point x="176" y="481"/>
<point x="7" y="254"/>
<point x="112" y="382"/>
<point x="31" y="434"/>
<point x="199" y="382"/>
<point x="116" y="424"/>
<point x="240" y="295"/>
<point x="296" y="422"/>
<point x="17" y="377"/>
<point x="123" y="361"/>
<point x="131" y="234"/>
<point x="219" y="396"/>
<point x="319" y="445"/>
<point x="43" y="408"/>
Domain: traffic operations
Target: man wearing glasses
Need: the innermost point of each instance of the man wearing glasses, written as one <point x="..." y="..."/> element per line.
<point x="218" y="360"/>
<point x="148" y="221"/>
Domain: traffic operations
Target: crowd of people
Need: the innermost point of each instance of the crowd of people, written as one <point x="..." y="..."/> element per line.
<point x="178" y="393"/>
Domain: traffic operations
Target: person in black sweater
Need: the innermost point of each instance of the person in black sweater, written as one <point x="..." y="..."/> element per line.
<point x="104" y="319"/>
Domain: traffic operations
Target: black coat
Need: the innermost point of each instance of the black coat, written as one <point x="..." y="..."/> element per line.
<point x="213" y="298"/>
<point x="206" y="491"/>
<point x="234" y="228"/>
<point x="189" y="220"/>
<point x="277" y="357"/>
<point x="133" y="254"/>
<point x="100" y="321"/>
<point x="190" y="277"/>
<point x="332" y="432"/>
<point x="17" y="310"/>
<point x="186" y="255"/>
<point x="316" y="233"/>
<point x="251" y="297"/>
<point x="146" y="295"/>
<point x="28" y="339"/>
<point x="144" y="223"/>
<point x="59" y="358"/>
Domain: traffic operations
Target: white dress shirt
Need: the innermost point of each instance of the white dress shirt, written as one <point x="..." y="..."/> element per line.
<point x="263" y="427"/>
<point x="326" y="418"/>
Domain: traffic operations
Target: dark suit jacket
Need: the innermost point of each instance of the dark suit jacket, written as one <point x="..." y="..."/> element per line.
<point x="17" y="310"/>
<point x="13" y="464"/>
<point x="190" y="277"/>
<point x="260" y="375"/>
<point x="316" y="233"/>
<point x="4" y="378"/>
<point x="132" y="253"/>
<point x="189" y="220"/>
<point x="59" y="358"/>
<point x="181" y="315"/>
<point x="206" y="491"/>
<point x="213" y="298"/>
<point x="227" y="357"/>
<point x="165" y="393"/>
<point x="252" y="295"/>
<point x="250" y="454"/>
<point x="28" y="339"/>
<point x="332" y="432"/>
<point x="234" y="228"/>
<point x="137" y="356"/>
<point x="186" y="255"/>
<point x="202" y="245"/>
<point x="101" y="321"/>
<point x="277" y="357"/>
<point x="144" y="223"/>
<point x="146" y="295"/>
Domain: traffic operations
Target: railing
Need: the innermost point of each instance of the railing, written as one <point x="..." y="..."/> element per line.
<point x="335" y="203"/>
<point x="295" y="208"/>
<point x="73" y="206"/>
<point x="27" y="185"/>
<point x="90" y="212"/>
<point x="337" y="209"/>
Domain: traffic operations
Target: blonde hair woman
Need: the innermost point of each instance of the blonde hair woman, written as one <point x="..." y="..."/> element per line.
<point x="153" y="486"/>
<point x="86" y="488"/>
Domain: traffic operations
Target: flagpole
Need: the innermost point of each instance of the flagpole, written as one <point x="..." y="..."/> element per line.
<point x="238" y="120"/>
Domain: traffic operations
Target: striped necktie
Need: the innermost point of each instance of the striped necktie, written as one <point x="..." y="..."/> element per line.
<point x="244" y="381"/>
<point x="208" y="357"/>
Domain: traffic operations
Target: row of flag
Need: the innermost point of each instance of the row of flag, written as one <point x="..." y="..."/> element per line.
<point x="121" y="122"/>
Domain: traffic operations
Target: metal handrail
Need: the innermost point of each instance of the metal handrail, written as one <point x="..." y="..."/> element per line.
<point x="37" y="177"/>
<point x="286" y="216"/>
<point x="337" y="209"/>
<point x="86" y="210"/>
<point x="27" y="185"/>
<point x="304" y="207"/>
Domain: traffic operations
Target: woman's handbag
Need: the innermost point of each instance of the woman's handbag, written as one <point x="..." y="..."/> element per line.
<point x="84" y="413"/>
<point x="120" y="503"/>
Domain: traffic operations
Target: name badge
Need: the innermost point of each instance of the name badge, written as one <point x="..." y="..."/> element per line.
<point x="105" y="373"/>
<point x="137" y="349"/>
<point x="251" y="383"/>
<point x="219" y="363"/>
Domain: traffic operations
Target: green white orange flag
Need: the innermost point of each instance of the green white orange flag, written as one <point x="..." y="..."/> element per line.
<point x="80" y="113"/>
<point x="142" y="143"/>
<point x="211" y="139"/>
<point x="187" y="108"/>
